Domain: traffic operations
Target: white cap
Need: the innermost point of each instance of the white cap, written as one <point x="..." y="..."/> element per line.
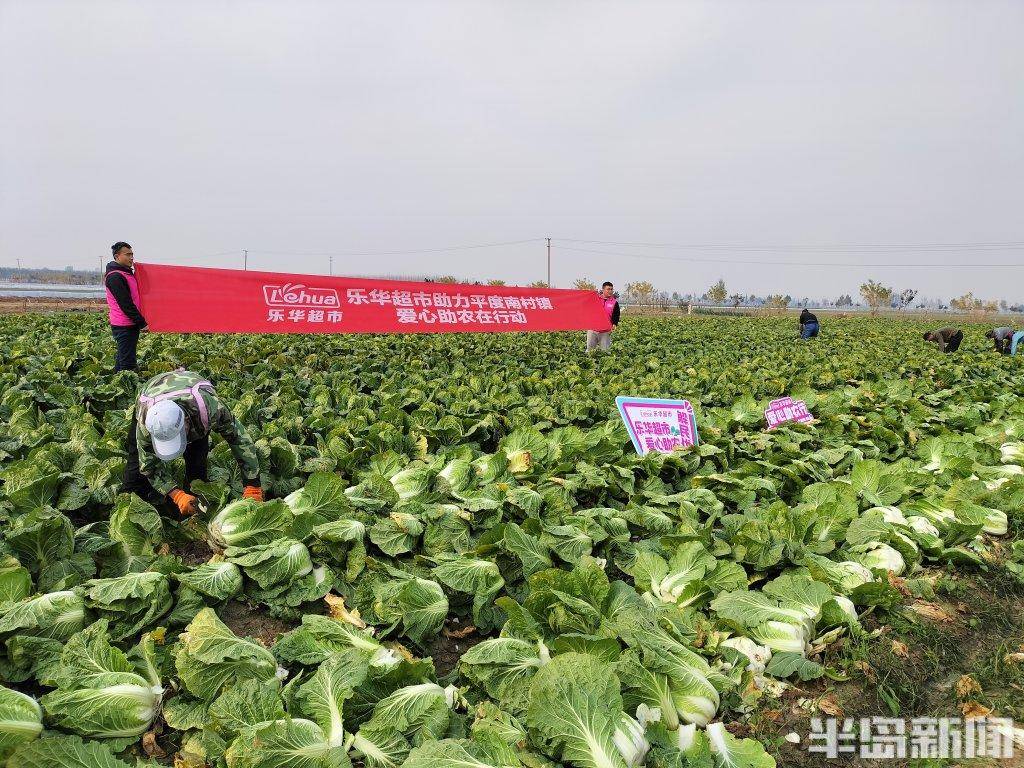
<point x="165" y="422"/>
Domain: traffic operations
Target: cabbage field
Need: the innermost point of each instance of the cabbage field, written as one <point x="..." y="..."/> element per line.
<point x="463" y="562"/>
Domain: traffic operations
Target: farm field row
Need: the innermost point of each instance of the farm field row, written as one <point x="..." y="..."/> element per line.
<point x="462" y="560"/>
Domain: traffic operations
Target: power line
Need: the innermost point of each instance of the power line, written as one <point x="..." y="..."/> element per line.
<point x="212" y="255"/>
<point x="233" y="254"/>
<point x="398" y="253"/>
<point x="1011" y="245"/>
<point x="695" y="259"/>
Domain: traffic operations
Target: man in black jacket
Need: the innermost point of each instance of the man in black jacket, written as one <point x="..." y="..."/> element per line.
<point x="126" y="321"/>
<point x="808" y="324"/>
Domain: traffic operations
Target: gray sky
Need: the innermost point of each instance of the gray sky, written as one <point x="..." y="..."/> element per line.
<point x="193" y="128"/>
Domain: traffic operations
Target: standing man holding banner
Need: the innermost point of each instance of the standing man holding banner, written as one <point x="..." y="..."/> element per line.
<point x="603" y="339"/>
<point x="126" y="321"/>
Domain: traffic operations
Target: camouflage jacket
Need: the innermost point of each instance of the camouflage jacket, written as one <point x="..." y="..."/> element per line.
<point x="220" y="418"/>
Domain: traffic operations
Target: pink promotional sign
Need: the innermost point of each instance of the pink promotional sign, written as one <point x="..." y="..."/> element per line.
<point x="658" y="425"/>
<point x="786" y="409"/>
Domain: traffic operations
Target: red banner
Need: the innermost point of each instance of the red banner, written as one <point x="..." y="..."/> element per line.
<point x="202" y="300"/>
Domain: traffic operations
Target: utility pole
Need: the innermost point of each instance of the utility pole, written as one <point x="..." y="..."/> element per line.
<point x="330" y="265"/>
<point x="549" y="261"/>
<point x="19" y="263"/>
<point x="245" y="258"/>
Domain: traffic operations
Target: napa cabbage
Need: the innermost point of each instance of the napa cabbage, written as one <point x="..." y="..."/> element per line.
<point x="247" y="523"/>
<point x="21" y="720"/>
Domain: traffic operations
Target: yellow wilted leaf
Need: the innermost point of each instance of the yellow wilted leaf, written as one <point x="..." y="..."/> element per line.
<point x="967" y="686"/>
<point x="150" y="746"/>
<point x="830" y="706"/>
<point x="974" y="709"/>
<point x="932" y="611"/>
<point x="402" y="651"/>
<point x="458" y="634"/>
<point x="421" y="447"/>
<point x="337" y="610"/>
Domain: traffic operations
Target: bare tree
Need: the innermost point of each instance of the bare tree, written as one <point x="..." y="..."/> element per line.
<point x="641" y="292"/>
<point x="876" y="295"/>
<point x="906" y="298"/>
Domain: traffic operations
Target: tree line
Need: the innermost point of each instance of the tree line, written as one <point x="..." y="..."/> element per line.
<point x="873" y="294"/>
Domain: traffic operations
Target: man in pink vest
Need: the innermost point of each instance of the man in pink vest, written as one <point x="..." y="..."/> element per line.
<point x="126" y="322"/>
<point x="603" y="339"/>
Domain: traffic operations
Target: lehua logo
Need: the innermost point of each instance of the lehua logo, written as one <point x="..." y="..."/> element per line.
<point x="299" y="295"/>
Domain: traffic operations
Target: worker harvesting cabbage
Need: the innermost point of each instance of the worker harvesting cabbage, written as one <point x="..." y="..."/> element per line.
<point x="174" y="416"/>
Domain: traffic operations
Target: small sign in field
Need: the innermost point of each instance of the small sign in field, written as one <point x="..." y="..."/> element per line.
<point x="658" y="425"/>
<point x="786" y="409"/>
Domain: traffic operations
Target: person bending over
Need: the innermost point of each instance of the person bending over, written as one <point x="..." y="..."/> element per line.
<point x="948" y="339"/>
<point x="809" y="326"/>
<point x="174" y="416"/>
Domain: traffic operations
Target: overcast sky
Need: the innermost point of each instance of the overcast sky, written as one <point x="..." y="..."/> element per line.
<point x="765" y="131"/>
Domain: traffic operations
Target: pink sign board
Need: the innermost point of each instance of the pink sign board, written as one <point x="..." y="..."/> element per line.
<point x="786" y="409"/>
<point x="658" y="425"/>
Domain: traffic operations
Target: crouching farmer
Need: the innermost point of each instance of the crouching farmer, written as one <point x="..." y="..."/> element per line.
<point x="1002" y="338"/>
<point x="947" y="339"/>
<point x="809" y="326"/>
<point x="174" y="416"/>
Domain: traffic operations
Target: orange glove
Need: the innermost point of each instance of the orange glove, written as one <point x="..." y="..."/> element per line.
<point x="187" y="503"/>
<point x="253" y="492"/>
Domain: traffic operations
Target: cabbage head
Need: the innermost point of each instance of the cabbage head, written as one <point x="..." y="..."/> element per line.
<point x="247" y="523"/>
<point x="103" y="692"/>
<point x="21" y="720"/>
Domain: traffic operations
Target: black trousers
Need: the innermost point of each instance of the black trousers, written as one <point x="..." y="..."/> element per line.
<point x="954" y="341"/>
<point x="196" y="454"/>
<point x="127" y="340"/>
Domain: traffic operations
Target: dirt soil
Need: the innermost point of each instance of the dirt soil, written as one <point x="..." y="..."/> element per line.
<point x="455" y="639"/>
<point x="944" y="656"/>
<point x="18" y="305"/>
<point x="192" y="553"/>
<point x="253" y="622"/>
